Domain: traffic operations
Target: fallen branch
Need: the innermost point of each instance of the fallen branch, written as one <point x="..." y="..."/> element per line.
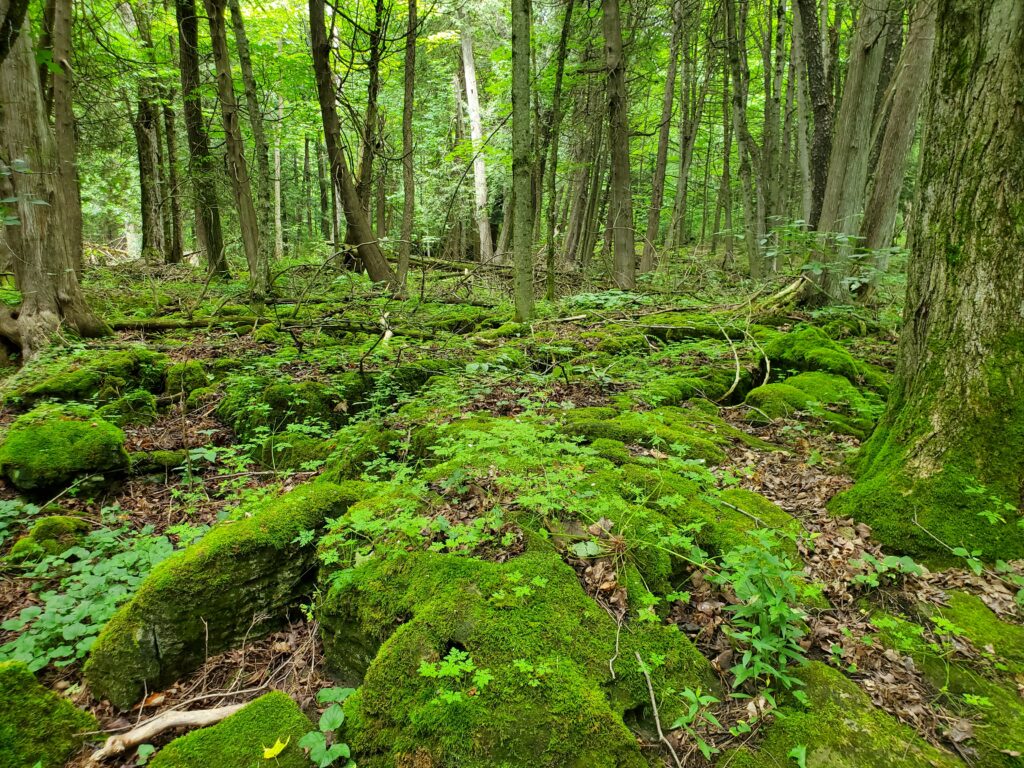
<point x="657" y="718"/>
<point x="196" y="718"/>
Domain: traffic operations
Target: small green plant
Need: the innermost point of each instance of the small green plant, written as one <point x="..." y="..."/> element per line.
<point x="457" y="675"/>
<point x="887" y="570"/>
<point x="323" y="750"/>
<point x="698" y="710"/>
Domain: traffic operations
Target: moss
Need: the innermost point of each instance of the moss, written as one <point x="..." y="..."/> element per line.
<point x="777" y="401"/>
<point x="197" y="398"/>
<point x="239" y="740"/>
<point x="135" y="407"/>
<point x="613" y="450"/>
<point x="94" y="374"/>
<point x="681" y="326"/>
<point x="52" y="445"/>
<point x="143" y="462"/>
<point x="49" y="536"/>
<point x="253" y="406"/>
<point x="839" y="729"/>
<point x="552" y="700"/>
<point x="239" y="580"/>
<point x="268" y="334"/>
<point x="37" y="726"/>
<point x="832" y="398"/>
<point x="807" y="348"/>
<point x="355" y="445"/>
<point x="623" y="344"/>
<point x="506" y="331"/>
<point x="186" y="377"/>
<point x="286" y="451"/>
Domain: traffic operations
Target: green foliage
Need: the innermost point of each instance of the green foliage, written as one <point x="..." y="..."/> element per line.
<point x="318" y="743"/>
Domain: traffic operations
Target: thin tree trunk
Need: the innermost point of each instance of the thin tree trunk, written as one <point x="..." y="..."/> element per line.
<point x="278" y="198"/>
<point x="408" y="176"/>
<point x="620" y="214"/>
<point x="803" y="119"/>
<point x="522" y="166"/>
<point x="64" y="130"/>
<point x="238" y="170"/>
<point x="326" y="206"/>
<point x="201" y="170"/>
<point x="476" y="130"/>
<point x="359" y="227"/>
<point x="552" y="170"/>
<point x="821" y="103"/>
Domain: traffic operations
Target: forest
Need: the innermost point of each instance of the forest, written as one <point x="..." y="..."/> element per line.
<point x="448" y="384"/>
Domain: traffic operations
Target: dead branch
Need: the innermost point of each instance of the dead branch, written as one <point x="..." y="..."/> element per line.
<point x="196" y="718"/>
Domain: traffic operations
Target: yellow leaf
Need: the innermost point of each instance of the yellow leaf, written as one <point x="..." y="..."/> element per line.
<point x="270" y="753"/>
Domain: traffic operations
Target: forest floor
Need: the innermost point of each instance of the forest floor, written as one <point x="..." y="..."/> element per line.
<point x="602" y="538"/>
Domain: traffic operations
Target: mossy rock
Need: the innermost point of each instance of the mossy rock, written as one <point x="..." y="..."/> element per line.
<point x="291" y="451"/>
<point x="135" y="407"/>
<point x="840" y="728"/>
<point x="683" y="326"/>
<point x="839" y="404"/>
<point x="90" y="375"/>
<point x="551" y="699"/>
<point x="185" y="378"/>
<point x="144" y="462"/>
<point x="613" y="450"/>
<point x="254" y="404"/>
<point x="49" y="535"/>
<point x="807" y="348"/>
<point x="53" y="445"/>
<point x="239" y="580"/>
<point x="238" y="741"/>
<point x="988" y="693"/>
<point x="37" y="726"/>
<point x="357" y="444"/>
<point x="268" y="334"/>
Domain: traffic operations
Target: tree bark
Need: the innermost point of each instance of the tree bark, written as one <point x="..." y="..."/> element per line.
<point x="408" y="177"/>
<point x="201" y="170"/>
<point x="279" y="209"/>
<point x="322" y="182"/>
<point x="238" y="170"/>
<point x="522" y="165"/>
<point x="64" y="131"/>
<point x="555" y="134"/>
<point x="476" y="132"/>
<point x="950" y="450"/>
<point x="821" y="103"/>
<point x="366" y="244"/>
<point x="620" y="213"/>
<point x="34" y="231"/>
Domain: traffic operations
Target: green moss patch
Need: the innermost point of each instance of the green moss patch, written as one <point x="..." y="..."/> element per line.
<point x="238" y="581"/>
<point x="36" y="725"/>
<point x="135" y="407"/>
<point x="840" y="405"/>
<point x="48" y="536"/>
<point x="239" y="740"/>
<point x="53" y="445"/>
<point x="807" y="348"/>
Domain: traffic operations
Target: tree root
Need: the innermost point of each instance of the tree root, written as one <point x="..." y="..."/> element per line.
<point x="197" y="718"/>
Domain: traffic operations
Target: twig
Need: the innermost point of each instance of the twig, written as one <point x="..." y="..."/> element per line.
<point x="654" y="706"/>
<point x="196" y="718"/>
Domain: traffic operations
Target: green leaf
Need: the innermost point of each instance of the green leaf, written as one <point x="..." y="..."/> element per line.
<point x="332" y="718"/>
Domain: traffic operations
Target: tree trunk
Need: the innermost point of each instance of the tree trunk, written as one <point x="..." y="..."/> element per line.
<point x="910" y="82"/>
<point x="803" y="120"/>
<point x="522" y="166"/>
<point x="64" y="131"/>
<point x="476" y="132"/>
<point x="366" y="244"/>
<point x="176" y="245"/>
<point x="36" y="234"/>
<point x="201" y="165"/>
<point x="322" y="182"/>
<point x="620" y="213"/>
<point x="821" y="103"/>
<point x="144" y="125"/>
<point x="665" y="127"/>
<point x="408" y="177"/>
<point x="949" y="452"/>
<point x="238" y="170"/>
<point x="555" y="131"/>
<point x="278" y="196"/>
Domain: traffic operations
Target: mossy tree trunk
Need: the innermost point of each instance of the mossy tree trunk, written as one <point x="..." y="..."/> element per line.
<point x="950" y="451"/>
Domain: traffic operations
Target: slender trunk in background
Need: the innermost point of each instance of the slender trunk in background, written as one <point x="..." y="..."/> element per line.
<point x="690" y="117"/>
<point x="369" y="250"/>
<point x="176" y="244"/>
<point x="522" y="165"/>
<point x="238" y="170"/>
<point x="256" y="123"/>
<point x="408" y="177"/>
<point x="772" y="154"/>
<point x="368" y="148"/>
<point x="911" y="81"/>
<point x="144" y="125"/>
<point x="552" y="169"/>
<point x="476" y="132"/>
<point x="326" y="206"/>
<point x="803" y="120"/>
<point x="64" y="130"/>
<point x="307" y="191"/>
<point x="726" y="191"/>
<point x="821" y="103"/>
<point x="665" y="127"/>
<point x="278" y="200"/>
<point x="45" y="255"/>
<point x="620" y="213"/>
<point x="201" y="164"/>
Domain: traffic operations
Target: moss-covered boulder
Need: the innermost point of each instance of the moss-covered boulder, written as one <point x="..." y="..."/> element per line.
<point x="53" y="445"/>
<point x="135" y="407"/>
<point x="239" y="740"/>
<point x="185" y="377"/>
<point x="37" y="727"/>
<point x="808" y="348"/>
<point x="357" y="444"/>
<point x="830" y="397"/>
<point x="49" y="535"/>
<point x="839" y="728"/>
<point x="777" y="401"/>
<point x="97" y="375"/>
<point x="475" y="663"/>
<point x="239" y="580"/>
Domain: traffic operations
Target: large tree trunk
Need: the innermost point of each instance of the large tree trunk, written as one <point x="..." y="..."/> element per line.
<point x="522" y="167"/>
<point x="366" y="244"/>
<point x="620" y="213"/>
<point x="949" y="453"/>
<point x="64" y="130"/>
<point x="408" y="178"/>
<point x="201" y="166"/>
<point x="238" y="170"/>
<point x="176" y="244"/>
<point x="665" y="127"/>
<point x="555" y="135"/>
<point x="34" y="230"/>
<point x="144" y="125"/>
<point x="476" y="132"/>
<point x="812" y="48"/>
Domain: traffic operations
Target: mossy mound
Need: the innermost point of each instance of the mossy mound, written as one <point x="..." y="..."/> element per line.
<point x="239" y="740"/>
<point x="135" y="407"/>
<point x="185" y="377"/>
<point x="357" y="444"/>
<point x="534" y="687"/>
<point x="37" y="726"/>
<point x="53" y="445"/>
<point x="49" y="536"/>
<point x="238" y="581"/>
<point x="832" y="398"/>
<point x="294" y="450"/>
<point x="840" y="728"/>
<point x="985" y="693"/>
<point x="807" y="348"/>
<point x="680" y="326"/>
<point x="90" y="375"/>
